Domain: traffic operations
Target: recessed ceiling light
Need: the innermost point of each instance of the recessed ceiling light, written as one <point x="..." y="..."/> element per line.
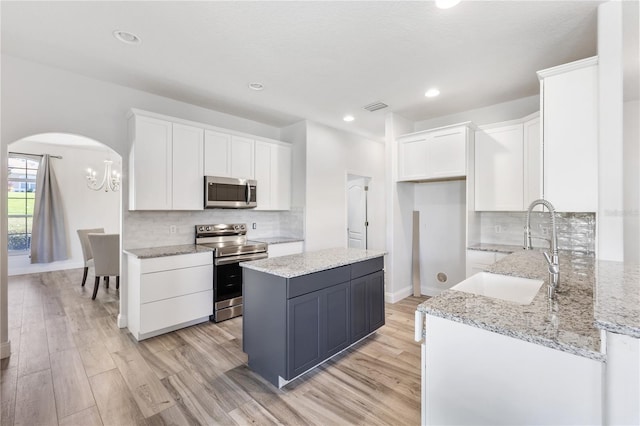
<point x="348" y="118"/>
<point x="127" y="37"/>
<point x="446" y="4"/>
<point x="256" y="86"/>
<point x="432" y="93"/>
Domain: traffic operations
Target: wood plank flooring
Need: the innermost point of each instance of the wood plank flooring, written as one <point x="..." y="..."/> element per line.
<point x="71" y="365"/>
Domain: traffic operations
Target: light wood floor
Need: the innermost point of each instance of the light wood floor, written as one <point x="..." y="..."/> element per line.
<point x="71" y="365"/>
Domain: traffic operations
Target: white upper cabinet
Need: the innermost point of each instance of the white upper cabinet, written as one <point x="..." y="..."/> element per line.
<point x="228" y="155"/>
<point x="499" y="168"/>
<point x="433" y="154"/>
<point x="217" y="154"/>
<point x="188" y="177"/>
<point x="242" y="157"/>
<point x="570" y="135"/>
<point x="273" y="174"/>
<point x="150" y="163"/>
<point x="532" y="161"/>
<point x="165" y="165"/>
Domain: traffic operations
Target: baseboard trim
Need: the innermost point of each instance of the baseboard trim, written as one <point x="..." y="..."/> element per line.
<point x="398" y="295"/>
<point x="5" y="349"/>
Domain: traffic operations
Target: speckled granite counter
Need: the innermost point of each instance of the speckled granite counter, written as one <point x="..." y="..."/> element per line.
<point x="278" y="240"/>
<point x="497" y="248"/>
<point x="296" y="265"/>
<point x="566" y="324"/>
<point x="148" y="253"/>
<point x="617" y="297"/>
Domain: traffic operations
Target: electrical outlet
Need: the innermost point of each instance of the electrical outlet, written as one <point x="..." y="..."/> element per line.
<point x="254" y="225"/>
<point x="498" y="229"/>
<point x="172" y="229"/>
<point x="544" y="230"/>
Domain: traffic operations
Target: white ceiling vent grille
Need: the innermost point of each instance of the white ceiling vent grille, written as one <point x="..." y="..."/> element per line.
<point x="375" y="106"/>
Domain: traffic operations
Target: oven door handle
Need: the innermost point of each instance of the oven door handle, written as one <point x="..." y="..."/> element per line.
<point x="242" y="258"/>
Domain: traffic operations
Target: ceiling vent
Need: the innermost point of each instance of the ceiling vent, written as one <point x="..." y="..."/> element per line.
<point x="375" y="106"/>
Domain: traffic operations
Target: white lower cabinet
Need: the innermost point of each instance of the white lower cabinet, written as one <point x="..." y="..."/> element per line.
<point x="478" y="261"/>
<point x="168" y="293"/>
<point x="475" y="376"/>
<point x="284" y="249"/>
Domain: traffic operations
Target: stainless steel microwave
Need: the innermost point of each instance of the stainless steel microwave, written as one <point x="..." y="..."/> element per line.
<point x="229" y="193"/>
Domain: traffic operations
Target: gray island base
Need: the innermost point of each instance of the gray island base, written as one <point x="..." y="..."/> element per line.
<point x="303" y="309"/>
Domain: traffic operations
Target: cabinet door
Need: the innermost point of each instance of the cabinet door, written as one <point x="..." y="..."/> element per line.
<point x="217" y="154"/>
<point x="499" y="169"/>
<point x="359" y="311"/>
<point x="263" y="167"/>
<point x="532" y="162"/>
<point x="281" y="178"/>
<point x="188" y="182"/>
<point x="336" y="313"/>
<point x="304" y="332"/>
<point x="150" y="164"/>
<point x="375" y="287"/>
<point x="242" y="157"/>
<point x="446" y="153"/>
<point x="412" y="156"/>
<point x="570" y="127"/>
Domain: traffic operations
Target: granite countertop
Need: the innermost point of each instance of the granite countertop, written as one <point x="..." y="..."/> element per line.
<point x="296" y="265"/>
<point x="151" y="252"/>
<point x="497" y="248"/>
<point x="617" y="297"/>
<point x="566" y="323"/>
<point x="277" y="240"/>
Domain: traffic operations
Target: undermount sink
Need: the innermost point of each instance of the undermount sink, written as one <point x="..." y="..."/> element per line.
<point x="513" y="289"/>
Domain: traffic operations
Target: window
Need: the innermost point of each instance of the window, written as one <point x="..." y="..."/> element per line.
<point x="21" y="193"/>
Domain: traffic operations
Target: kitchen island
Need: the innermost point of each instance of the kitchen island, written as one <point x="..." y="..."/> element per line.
<point x="300" y="310"/>
<point x="490" y="361"/>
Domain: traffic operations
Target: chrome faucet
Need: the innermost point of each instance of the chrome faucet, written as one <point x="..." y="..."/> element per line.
<point x="552" y="259"/>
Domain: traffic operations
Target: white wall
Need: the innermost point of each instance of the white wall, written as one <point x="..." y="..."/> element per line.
<point x="83" y="207"/>
<point x="442" y="207"/>
<point x="332" y="154"/>
<point x="504" y="111"/>
<point x="631" y="166"/>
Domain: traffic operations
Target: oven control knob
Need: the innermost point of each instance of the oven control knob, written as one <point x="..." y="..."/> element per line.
<point x="242" y="227"/>
<point x="208" y="228"/>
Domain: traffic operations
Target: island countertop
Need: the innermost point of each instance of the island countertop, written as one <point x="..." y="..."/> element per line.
<point x="566" y="323"/>
<point x="309" y="262"/>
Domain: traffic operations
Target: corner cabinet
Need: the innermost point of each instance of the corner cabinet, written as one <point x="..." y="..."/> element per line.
<point x="569" y="95"/>
<point x="165" y="164"/>
<point x="291" y="325"/>
<point x="508" y="165"/>
<point x="273" y="173"/>
<point x="434" y="154"/>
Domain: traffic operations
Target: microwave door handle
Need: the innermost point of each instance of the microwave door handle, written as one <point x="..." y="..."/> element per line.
<point x="248" y="192"/>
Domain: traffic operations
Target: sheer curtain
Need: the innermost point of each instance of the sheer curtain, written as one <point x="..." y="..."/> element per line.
<point x="48" y="234"/>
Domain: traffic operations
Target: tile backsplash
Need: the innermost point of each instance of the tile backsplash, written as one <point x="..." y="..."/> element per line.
<point x="576" y="231"/>
<point x="152" y="228"/>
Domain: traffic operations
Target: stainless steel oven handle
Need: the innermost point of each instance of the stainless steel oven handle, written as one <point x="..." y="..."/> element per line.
<point x="236" y="259"/>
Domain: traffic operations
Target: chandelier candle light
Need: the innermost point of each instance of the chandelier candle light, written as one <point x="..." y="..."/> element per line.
<point x="110" y="180"/>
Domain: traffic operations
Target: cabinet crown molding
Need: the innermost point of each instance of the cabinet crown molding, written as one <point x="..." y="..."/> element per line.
<point x="468" y="124"/>
<point x="560" y="69"/>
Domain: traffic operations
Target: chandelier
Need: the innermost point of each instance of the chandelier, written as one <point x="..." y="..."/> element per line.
<point x="110" y="179"/>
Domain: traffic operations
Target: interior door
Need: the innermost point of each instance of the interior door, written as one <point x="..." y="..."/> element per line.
<point x="357" y="213"/>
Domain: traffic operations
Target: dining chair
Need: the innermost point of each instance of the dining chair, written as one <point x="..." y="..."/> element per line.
<point x="83" y="234"/>
<point x="106" y="258"/>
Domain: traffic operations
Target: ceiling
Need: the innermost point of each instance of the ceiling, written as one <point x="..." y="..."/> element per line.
<point x="317" y="60"/>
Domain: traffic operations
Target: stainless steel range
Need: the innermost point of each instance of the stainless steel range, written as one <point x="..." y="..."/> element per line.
<point x="231" y="247"/>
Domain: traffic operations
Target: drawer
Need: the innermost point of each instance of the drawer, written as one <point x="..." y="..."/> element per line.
<point x="176" y="282"/>
<point x="367" y="267"/>
<point x="171" y="312"/>
<point x="481" y="257"/>
<point x="317" y="281"/>
<point x="284" y="249"/>
<point x="166" y="263"/>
